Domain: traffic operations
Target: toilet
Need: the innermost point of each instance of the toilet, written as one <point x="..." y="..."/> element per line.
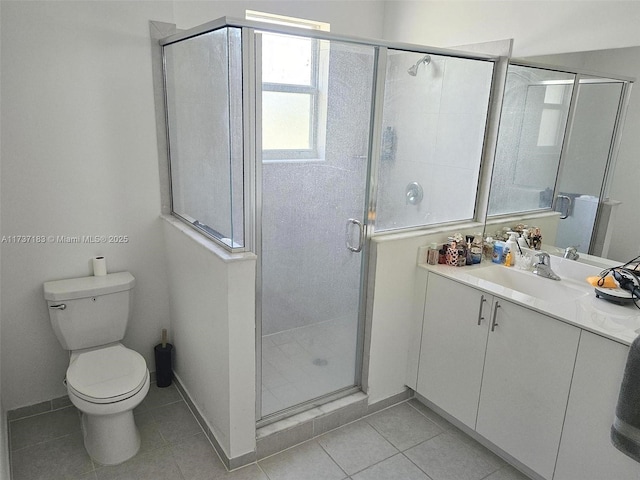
<point x="105" y="380"/>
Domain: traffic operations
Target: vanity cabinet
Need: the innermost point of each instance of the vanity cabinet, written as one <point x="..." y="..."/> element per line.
<point x="525" y="386"/>
<point x="586" y="453"/>
<point x="454" y="340"/>
<point x="499" y="368"/>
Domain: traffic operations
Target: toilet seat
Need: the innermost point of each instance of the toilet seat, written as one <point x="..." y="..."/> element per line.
<point x="107" y="375"/>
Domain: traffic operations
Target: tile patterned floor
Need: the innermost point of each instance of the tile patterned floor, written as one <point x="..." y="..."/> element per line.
<point x="307" y="362"/>
<point x="407" y="441"/>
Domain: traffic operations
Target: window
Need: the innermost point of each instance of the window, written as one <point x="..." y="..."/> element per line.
<point x="293" y="101"/>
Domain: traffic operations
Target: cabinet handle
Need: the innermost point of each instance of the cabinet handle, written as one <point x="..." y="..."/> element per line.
<point x="494" y="321"/>
<point x="480" y="317"/>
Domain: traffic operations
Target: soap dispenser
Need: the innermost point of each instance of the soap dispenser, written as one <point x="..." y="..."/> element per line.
<point x="522" y="240"/>
<point x="511" y="245"/>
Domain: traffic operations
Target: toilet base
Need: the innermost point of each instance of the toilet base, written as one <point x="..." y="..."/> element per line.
<point x="111" y="439"/>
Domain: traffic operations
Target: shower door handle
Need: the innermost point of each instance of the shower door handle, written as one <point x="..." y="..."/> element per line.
<point x="350" y="223"/>
<point x="566" y="205"/>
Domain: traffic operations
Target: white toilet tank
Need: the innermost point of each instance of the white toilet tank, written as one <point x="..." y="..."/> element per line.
<point x="89" y="311"/>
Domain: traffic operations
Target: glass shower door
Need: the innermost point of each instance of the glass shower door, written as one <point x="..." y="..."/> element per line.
<point x="315" y="99"/>
<point x="586" y="161"/>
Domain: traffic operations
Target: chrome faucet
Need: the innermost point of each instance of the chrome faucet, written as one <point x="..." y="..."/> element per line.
<point x="542" y="267"/>
<point x="571" y="253"/>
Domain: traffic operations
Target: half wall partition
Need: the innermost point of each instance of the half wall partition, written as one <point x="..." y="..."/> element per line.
<point x="297" y="145"/>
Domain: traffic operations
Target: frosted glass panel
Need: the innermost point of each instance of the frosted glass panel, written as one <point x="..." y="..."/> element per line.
<point x="203" y="77"/>
<point x="532" y="130"/>
<point x="433" y="133"/>
<point x="310" y="279"/>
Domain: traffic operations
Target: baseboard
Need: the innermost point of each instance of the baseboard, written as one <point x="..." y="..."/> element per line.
<point x="230" y="463"/>
<point x="38" y="408"/>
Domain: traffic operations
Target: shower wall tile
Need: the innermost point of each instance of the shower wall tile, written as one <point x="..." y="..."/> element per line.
<point x="459" y="95"/>
<point x="438" y="117"/>
<point x="460" y="141"/>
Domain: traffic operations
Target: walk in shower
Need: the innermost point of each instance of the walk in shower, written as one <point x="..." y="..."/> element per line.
<point x="296" y="145"/>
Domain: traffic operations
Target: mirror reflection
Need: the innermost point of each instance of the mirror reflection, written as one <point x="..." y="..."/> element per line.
<point x="555" y="147"/>
<point x="532" y="125"/>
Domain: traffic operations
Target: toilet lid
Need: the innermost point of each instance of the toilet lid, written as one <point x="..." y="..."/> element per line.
<point x="107" y="375"/>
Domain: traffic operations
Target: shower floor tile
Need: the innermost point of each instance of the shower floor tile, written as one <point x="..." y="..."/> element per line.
<point x="381" y="446"/>
<point x="307" y="362"/>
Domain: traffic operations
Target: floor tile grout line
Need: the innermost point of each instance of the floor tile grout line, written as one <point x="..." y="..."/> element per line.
<point x="182" y="475"/>
<point x="414" y="463"/>
<point x="9" y="422"/>
<point x="45" y="441"/>
<point x="376" y="463"/>
<point x="262" y="470"/>
<point x="408" y="448"/>
<point x="215" y="451"/>
<point x="333" y="460"/>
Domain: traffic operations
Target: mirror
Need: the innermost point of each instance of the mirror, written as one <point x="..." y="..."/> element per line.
<point x="534" y="116"/>
<point x="559" y="131"/>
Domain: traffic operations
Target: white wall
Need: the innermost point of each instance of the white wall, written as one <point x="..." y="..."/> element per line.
<point x="79" y="157"/>
<point x="213" y="318"/>
<point x="4" y="439"/>
<point x="362" y="18"/>
<point x="537" y="27"/>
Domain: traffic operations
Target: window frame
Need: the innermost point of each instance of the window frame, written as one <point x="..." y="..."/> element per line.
<point x="313" y="91"/>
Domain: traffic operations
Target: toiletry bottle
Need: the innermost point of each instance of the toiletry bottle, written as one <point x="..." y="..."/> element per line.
<point x="432" y="254"/>
<point x="498" y="249"/>
<point x="487" y="249"/>
<point x="452" y="252"/>
<point x="512" y="247"/>
<point x="476" y="249"/>
<point x="536" y="238"/>
<point x="508" y="259"/>
<point x="462" y="257"/>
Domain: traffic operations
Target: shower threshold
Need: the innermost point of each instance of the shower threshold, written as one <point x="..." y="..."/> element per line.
<point x="303" y="422"/>
<point x="312" y="408"/>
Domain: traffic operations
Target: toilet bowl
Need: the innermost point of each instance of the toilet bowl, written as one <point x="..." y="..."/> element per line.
<point x="106" y="384"/>
<point x="105" y="380"/>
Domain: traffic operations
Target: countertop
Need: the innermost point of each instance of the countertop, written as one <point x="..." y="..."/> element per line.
<point x="620" y="323"/>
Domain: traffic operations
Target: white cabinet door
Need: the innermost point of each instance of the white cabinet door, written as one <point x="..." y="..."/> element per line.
<point x="525" y="386"/>
<point x="454" y="337"/>
<point x="586" y="452"/>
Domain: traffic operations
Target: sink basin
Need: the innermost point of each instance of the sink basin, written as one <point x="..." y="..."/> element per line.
<point x="544" y="289"/>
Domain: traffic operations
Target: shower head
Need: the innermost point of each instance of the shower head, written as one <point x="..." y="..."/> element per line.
<point x="413" y="70"/>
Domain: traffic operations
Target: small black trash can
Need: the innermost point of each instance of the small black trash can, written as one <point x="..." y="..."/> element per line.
<point x="163" y="353"/>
